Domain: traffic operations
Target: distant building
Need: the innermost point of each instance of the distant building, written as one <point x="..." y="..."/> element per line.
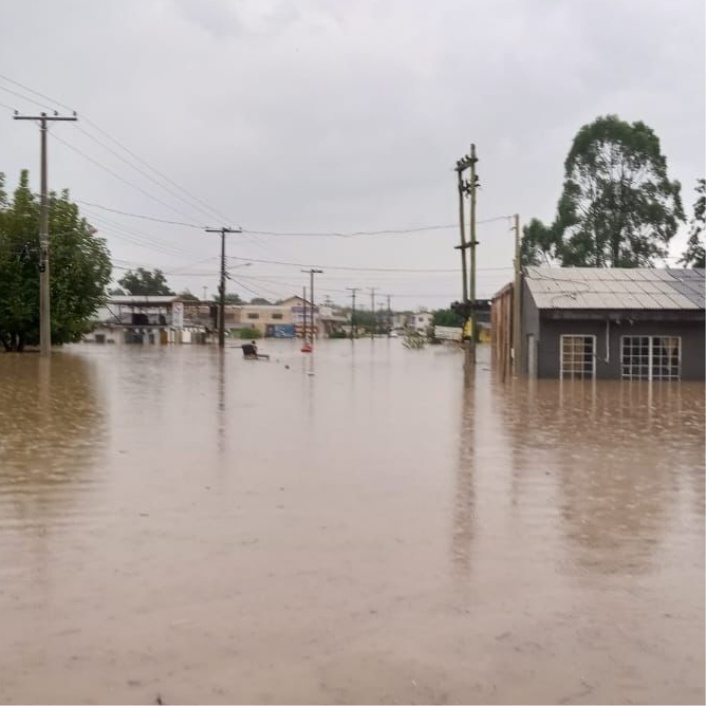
<point x="421" y="321"/>
<point x="596" y="323"/>
<point x="153" y="320"/>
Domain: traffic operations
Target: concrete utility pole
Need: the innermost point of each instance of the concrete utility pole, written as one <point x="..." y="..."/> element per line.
<point x="44" y="279"/>
<point x="354" y="328"/>
<point x="312" y="272"/>
<point x="517" y="301"/>
<point x="372" y="310"/>
<point x="222" y="287"/>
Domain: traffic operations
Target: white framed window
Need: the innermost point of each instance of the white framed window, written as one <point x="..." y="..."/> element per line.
<point x="578" y="357"/>
<point x="650" y="357"/>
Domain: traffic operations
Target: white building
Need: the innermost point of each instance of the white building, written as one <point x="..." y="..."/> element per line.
<point x="143" y="320"/>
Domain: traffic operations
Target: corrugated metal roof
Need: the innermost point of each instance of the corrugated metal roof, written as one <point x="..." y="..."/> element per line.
<point x="616" y="288"/>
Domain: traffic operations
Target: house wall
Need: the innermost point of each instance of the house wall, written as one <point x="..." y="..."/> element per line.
<point x="530" y="332"/>
<point x="693" y="350"/>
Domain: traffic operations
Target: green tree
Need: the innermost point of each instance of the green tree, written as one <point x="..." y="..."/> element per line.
<point x="145" y="283"/>
<point x="695" y="253"/>
<point x="79" y="273"/>
<point x="187" y="296"/>
<point x="538" y="240"/>
<point x="447" y="317"/>
<point x="618" y="207"/>
<point x="259" y="301"/>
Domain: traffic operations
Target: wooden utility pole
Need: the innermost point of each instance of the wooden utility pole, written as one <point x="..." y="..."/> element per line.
<point x="222" y="287"/>
<point x="473" y="187"/>
<point x="304" y="314"/>
<point x="354" y="327"/>
<point x="44" y="278"/>
<point x="372" y="310"/>
<point x="517" y="301"/>
<point x="312" y="272"/>
<point x="460" y="166"/>
<point x="389" y="316"/>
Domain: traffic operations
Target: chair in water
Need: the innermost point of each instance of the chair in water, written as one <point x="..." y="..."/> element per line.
<point x="250" y="353"/>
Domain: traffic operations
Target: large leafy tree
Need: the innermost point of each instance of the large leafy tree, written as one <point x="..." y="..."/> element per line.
<point x="618" y="207"/>
<point x="695" y="253"/>
<point x="538" y="240"/>
<point x="79" y="268"/>
<point x="147" y="283"/>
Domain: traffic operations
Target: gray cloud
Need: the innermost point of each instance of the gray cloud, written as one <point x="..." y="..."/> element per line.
<point x="330" y="115"/>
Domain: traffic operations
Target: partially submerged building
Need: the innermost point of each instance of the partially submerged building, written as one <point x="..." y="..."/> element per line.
<point x="602" y="323"/>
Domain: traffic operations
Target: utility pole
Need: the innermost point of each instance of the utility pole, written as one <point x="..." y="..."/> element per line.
<point x="312" y="272"/>
<point x="372" y="310"/>
<point x="304" y="314"/>
<point x="460" y="166"/>
<point x="389" y="316"/>
<point x="354" y="328"/>
<point x="517" y="301"/>
<point x="469" y="187"/>
<point x="222" y="287"/>
<point x="473" y="242"/>
<point x="205" y="290"/>
<point x="44" y="279"/>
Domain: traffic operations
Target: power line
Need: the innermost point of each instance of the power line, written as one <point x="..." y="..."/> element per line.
<point x="36" y="93"/>
<point x="147" y="176"/>
<point x="358" y="269"/>
<point x="118" y="177"/>
<point x="137" y="215"/>
<point x="331" y="234"/>
<point x="351" y="234"/>
<point x="109" y="137"/>
<point x="24" y="98"/>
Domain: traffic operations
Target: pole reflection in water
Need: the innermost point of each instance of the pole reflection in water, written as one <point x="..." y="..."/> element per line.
<point x="464" y="504"/>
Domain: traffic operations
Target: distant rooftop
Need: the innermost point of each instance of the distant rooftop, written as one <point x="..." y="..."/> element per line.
<point x="616" y="288"/>
<point x="141" y="299"/>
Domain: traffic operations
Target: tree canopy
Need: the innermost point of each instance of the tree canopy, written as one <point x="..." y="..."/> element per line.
<point x="79" y="268"/>
<point x="447" y="317"/>
<point x="618" y="208"/>
<point x="147" y="283"/>
<point x="260" y="301"/>
<point x="187" y="296"/>
<point x="695" y="253"/>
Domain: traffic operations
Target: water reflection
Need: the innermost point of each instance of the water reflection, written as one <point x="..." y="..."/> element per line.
<point x="464" y="505"/>
<point x="51" y="432"/>
<point x="615" y="452"/>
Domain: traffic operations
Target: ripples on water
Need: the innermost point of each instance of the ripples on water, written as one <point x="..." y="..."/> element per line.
<point x="362" y="525"/>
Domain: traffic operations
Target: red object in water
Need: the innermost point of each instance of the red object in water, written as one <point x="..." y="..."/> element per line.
<point x="306" y="348"/>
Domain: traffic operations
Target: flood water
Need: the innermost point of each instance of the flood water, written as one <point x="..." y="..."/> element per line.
<point x="366" y="525"/>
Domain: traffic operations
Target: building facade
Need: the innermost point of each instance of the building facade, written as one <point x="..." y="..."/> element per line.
<point x="601" y="323"/>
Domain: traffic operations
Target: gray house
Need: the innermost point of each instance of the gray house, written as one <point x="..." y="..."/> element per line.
<point x="619" y="323"/>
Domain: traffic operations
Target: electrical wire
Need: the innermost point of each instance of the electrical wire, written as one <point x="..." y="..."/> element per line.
<point x="118" y="177"/>
<point x="24" y="98"/>
<point x="137" y="215"/>
<point x="359" y="269"/>
<point x="142" y="172"/>
<point x="112" y="139"/>
<point x="36" y="93"/>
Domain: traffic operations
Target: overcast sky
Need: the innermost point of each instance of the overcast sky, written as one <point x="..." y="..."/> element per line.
<point x="338" y="116"/>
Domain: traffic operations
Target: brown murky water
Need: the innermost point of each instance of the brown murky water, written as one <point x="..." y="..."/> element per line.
<point x="358" y="527"/>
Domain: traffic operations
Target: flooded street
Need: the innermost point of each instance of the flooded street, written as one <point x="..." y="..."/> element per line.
<point x="359" y="527"/>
